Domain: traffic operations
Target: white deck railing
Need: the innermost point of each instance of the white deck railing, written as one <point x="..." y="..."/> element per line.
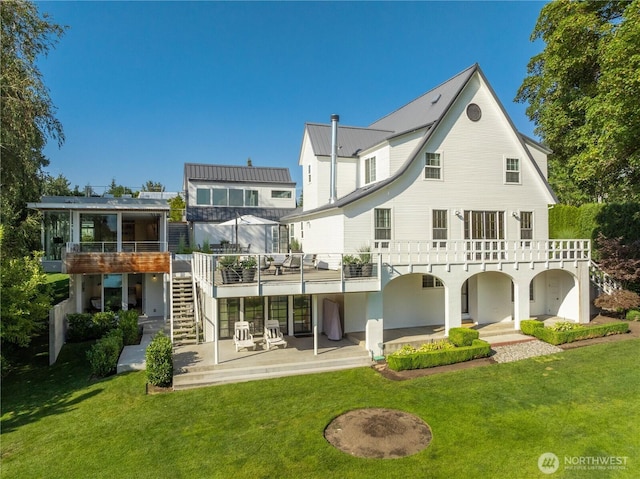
<point x="484" y="251"/>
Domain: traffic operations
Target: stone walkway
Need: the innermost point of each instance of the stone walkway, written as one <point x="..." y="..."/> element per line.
<point x="523" y="350"/>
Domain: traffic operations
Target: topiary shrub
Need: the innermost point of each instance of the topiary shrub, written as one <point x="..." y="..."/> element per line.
<point x="159" y="357"/>
<point x="463" y="336"/>
<point x="103" y="356"/>
<point x="128" y="324"/>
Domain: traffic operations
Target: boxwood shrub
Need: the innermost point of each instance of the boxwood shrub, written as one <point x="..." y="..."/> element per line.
<point x="528" y="326"/>
<point x="633" y="315"/>
<point x="429" y="359"/>
<point x="555" y="337"/>
<point x="463" y="336"/>
<point x="103" y="356"/>
<point x="159" y="359"/>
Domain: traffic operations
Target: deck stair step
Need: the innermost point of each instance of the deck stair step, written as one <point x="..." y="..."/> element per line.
<point x="182" y="305"/>
<point x="196" y="376"/>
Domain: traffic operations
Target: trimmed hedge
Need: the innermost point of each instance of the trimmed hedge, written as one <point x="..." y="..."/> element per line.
<point x="633" y="315"/>
<point x="159" y="357"/>
<point x="103" y="356"/>
<point x="551" y="336"/>
<point x="528" y="326"/>
<point x="429" y="359"/>
<point x="463" y="336"/>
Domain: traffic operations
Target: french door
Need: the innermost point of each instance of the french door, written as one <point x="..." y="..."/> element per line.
<point x="484" y="232"/>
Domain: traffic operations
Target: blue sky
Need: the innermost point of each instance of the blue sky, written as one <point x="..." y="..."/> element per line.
<point x="143" y="87"/>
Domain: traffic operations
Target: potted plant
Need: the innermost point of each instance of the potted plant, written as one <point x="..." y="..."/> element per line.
<point x="249" y="266"/>
<point x="230" y="270"/>
<point x="366" y="266"/>
<point x="350" y="266"/>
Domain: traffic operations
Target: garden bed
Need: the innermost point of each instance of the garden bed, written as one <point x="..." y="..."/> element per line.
<point x="463" y="345"/>
<point x="566" y="332"/>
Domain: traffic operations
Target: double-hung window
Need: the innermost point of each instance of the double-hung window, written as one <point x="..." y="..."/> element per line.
<point x="370" y="170"/>
<point x="439" y="228"/>
<point x="512" y="170"/>
<point x="251" y="197"/>
<point x="382" y="226"/>
<point x="433" y="166"/>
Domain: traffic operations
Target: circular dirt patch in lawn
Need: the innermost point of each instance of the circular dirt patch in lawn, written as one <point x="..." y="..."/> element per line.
<point x="378" y="433"/>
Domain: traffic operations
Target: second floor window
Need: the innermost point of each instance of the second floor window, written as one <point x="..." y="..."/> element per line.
<point x="370" y="169"/>
<point x="512" y="170"/>
<point x="433" y="166"/>
<point x="382" y="223"/>
<point x="280" y="194"/>
<point x="203" y="196"/>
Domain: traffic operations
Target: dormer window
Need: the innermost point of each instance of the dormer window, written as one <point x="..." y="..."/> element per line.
<point x="433" y="166"/>
<point x="370" y="170"/>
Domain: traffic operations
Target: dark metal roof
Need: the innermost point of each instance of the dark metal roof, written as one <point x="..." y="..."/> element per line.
<point x="350" y="139"/>
<point x="220" y="214"/>
<point x="427" y="108"/>
<point x="237" y="174"/>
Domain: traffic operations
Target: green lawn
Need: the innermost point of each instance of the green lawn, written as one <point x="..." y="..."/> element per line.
<point x="489" y="422"/>
<point x="59" y="286"/>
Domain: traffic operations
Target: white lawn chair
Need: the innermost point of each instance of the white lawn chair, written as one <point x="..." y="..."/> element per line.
<point x="272" y="334"/>
<point x="242" y="338"/>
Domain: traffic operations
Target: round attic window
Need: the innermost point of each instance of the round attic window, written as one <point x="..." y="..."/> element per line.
<point x="474" y="112"/>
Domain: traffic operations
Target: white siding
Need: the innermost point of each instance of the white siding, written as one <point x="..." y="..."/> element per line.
<point x="408" y="304"/>
<point x="473" y="178"/>
<point x="402" y="147"/>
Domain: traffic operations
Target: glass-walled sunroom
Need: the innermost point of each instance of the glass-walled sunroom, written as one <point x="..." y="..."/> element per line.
<point x="56" y="233"/>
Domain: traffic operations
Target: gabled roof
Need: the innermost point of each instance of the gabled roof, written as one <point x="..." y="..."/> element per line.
<point x="419" y="113"/>
<point x="237" y="174"/>
<point x="351" y="139"/>
<point x="427" y="108"/>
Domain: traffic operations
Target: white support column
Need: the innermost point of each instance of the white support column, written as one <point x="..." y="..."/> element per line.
<point x="452" y="305"/>
<point x="314" y="320"/>
<point x="374" y="325"/>
<point x="521" y="305"/>
<point x="583" y="285"/>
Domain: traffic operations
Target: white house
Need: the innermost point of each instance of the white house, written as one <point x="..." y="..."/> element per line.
<point x="239" y="205"/>
<point x="451" y="203"/>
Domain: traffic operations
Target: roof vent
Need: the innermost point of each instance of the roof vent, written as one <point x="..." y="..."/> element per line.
<point x="435" y="99"/>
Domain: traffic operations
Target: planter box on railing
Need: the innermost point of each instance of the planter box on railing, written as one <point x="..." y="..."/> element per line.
<point x="429" y="359"/>
<point x="554" y="337"/>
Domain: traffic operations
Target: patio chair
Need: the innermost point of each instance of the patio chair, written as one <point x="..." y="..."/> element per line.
<point x="309" y="261"/>
<point x="272" y="334"/>
<point x="242" y="338"/>
<point x="264" y="263"/>
<point x="292" y="262"/>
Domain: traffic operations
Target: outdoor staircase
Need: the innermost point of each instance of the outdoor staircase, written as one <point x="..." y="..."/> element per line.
<point x="601" y="280"/>
<point x="199" y="376"/>
<point x="175" y="232"/>
<point x="182" y="299"/>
